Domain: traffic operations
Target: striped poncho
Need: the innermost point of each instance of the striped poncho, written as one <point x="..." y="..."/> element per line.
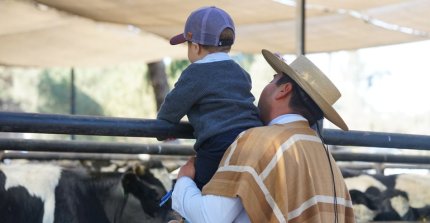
<point x="281" y="174"/>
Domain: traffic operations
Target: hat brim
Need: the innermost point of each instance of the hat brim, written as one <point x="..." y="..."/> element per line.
<point x="281" y="67"/>
<point x="178" y="39"/>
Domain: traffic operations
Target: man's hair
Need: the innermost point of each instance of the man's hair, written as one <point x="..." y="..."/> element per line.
<point x="301" y="102"/>
<point x="226" y="35"/>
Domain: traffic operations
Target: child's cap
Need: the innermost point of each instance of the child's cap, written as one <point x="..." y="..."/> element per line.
<point x="204" y="26"/>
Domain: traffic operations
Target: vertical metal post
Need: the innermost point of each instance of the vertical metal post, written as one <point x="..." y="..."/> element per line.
<point x="72" y="96"/>
<point x="301" y="28"/>
<point x="301" y="37"/>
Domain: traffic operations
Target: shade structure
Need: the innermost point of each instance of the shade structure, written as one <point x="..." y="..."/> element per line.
<point x="80" y="27"/>
<point x="32" y="35"/>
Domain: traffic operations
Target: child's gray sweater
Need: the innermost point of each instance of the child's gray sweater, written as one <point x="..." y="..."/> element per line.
<point x="215" y="96"/>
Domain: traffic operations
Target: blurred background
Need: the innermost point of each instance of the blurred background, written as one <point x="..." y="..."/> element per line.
<point x="112" y="58"/>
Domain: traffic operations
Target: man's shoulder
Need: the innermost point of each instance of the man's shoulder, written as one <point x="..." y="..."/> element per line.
<point x="268" y="129"/>
<point x="264" y="134"/>
<point x="275" y="132"/>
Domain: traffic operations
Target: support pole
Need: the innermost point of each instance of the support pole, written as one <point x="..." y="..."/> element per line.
<point x="72" y="96"/>
<point x="72" y="92"/>
<point x="300" y="27"/>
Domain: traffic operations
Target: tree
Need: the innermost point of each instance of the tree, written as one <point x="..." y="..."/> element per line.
<point x="55" y="97"/>
<point x="157" y="76"/>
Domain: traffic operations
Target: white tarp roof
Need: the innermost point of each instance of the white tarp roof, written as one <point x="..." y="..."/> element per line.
<point x="81" y="31"/>
<point x="30" y="36"/>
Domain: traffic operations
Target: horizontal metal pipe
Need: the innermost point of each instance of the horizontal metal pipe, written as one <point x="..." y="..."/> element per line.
<point x="84" y="156"/>
<point x="111" y="151"/>
<point x="92" y="125"/>
<point x="73" y="148"/>
<point x="94" y="147"/>
<point x="380" y="158"/>
<point x="370" y="165"/>
<point x="376" y="139"/>
<point x="96" y="125"/>
<point x="67" y="156"/>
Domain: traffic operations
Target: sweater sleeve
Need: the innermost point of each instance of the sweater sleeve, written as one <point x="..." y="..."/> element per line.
<point x="184" y="95"/>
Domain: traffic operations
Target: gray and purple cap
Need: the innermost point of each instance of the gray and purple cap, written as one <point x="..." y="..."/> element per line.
<point x="204" y="26"/>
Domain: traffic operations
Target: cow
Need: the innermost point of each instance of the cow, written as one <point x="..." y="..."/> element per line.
<point x="378" y="197"/>
<point x="48" y="193"/>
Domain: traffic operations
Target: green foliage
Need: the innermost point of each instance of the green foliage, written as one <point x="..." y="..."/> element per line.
<point x="121" y="90"/>
<point x="18" y="88"/>
<point x="9" y="105"/>
<point x="6" y="83"/>
<point x="176" y="67"/>
<point x="244" y="60"/>
<point x="55" y="96"/>
<point x="115" y="91"/>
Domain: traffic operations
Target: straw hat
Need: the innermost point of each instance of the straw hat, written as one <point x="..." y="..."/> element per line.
<point x="313" y="81"/>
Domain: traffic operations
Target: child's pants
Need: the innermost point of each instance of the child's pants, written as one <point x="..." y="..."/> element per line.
<point x="210" y="153"/>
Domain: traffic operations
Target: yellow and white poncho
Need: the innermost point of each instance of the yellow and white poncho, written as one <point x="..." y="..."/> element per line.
<point x="281" y="174"/>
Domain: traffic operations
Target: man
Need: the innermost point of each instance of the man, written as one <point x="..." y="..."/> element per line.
<point x="281" y="172"/>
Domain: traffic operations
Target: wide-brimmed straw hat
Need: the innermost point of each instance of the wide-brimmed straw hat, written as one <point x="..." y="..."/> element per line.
<point x="313" y="81"/>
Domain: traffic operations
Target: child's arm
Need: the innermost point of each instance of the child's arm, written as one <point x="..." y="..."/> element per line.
<point x="180" y="100"/>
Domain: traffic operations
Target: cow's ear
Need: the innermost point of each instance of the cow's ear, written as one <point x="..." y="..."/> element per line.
<point x="139" y="169"/>
<point x="128" y="180"/>
<point x="138" y="187"/>
<point x="144" y="191"/>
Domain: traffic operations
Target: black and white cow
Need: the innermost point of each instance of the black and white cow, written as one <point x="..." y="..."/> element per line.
<point x="376" y="197"/>
<point x="50" y="194"/>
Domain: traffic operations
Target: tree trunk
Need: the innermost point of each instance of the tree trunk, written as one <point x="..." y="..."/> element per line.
<point x="158" y="78"/>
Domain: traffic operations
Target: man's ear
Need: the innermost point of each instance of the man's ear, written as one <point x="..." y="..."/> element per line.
<point x="284" y="90"/>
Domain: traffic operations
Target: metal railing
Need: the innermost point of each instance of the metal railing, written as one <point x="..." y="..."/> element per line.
<point x="37" y="145"/>
<point x="111" y="126"/>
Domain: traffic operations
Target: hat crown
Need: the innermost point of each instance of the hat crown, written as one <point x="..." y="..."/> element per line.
<point x="204" y="25"/>
<point x="314" y="77"/>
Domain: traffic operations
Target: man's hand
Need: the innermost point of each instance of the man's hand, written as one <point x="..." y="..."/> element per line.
<point x="188" y="169"/>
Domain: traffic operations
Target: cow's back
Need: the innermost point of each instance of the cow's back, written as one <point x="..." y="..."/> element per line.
<point x="76" y="200"/>
<point x="27" y="193"/>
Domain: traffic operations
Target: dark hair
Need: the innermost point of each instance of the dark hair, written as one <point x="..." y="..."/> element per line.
<point x="301" y="102"/>
<point x="227" y="35"/>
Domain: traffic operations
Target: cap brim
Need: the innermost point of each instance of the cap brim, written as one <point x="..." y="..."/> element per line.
<point x="178" y="39"/>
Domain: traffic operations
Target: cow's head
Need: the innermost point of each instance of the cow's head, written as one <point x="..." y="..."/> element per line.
<point x="140" y="182"/>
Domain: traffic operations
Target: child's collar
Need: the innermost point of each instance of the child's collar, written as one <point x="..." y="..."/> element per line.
<point x="214" y="57"/>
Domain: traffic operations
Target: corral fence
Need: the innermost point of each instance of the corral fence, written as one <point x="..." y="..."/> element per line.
<point x="128" y="127"/>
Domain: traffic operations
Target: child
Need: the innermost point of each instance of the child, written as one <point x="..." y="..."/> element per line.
<point x="213" y="91"/>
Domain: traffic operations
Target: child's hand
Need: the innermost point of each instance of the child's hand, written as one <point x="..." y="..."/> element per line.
<point x="188" y="169"/>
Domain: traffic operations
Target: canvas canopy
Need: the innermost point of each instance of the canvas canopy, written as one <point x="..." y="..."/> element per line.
<point x="100" y="32"/>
